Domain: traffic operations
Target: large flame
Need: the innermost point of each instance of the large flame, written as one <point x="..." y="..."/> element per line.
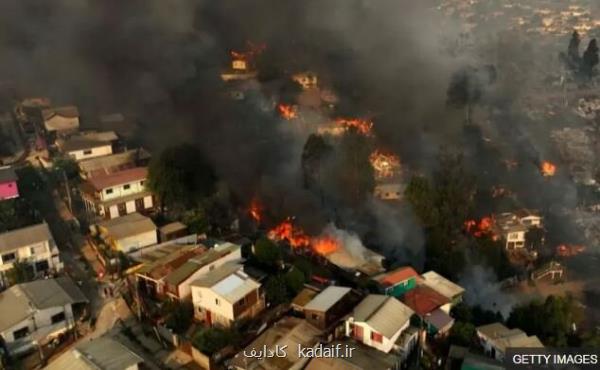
<point x="548" y="168"/>
<point x="325" y="245"/>
<point x="386" y="165"/>
<point x="241" y="59"/>
<point x="481" y="228"/>
<point x="287" y="112"/>
<point x="362" y="126"/>
<point x="297" y="238"/>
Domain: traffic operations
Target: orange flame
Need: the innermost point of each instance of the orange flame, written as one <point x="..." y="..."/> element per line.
<point x="362" y="126"/>
<point x="386" y="165"/>
<point x="485" y="227"/>
<point x="548" y="168"/>
<point x="287" y="112"/>
<point x="568" y="250"/>
<point x="256" y="210"/>
<point x="297" y="238"/>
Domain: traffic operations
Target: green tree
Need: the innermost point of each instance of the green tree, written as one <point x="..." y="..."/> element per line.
<point x="67" y="166"/>
<point x="180" y="176"/>
<point x="276" y="290"/>
<point x="196" y="220"/>
<point x="315" y="151"/>
<point x="267" y="253"/>
<point x="420" y="194"/>
<point x="354" y="176"/>
<point x="212" y="340"/>
<point x="534" y="238"/>
<point x="179" y="315"/>
<point x="294" y="280"/>
<point x="461" y="333"/>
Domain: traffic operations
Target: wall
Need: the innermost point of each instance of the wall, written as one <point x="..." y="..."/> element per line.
<point x="137" y="241"/>
<point x="401" y="288"/>
<point x="119" y="191"/>
<point x="185" y="289"/>
<point x="207" y="299"/>
<point x="99" y="151"/>
<point x="387" y="343"/>
<point x="8" y="190"/>
<point x="42" y="252"/>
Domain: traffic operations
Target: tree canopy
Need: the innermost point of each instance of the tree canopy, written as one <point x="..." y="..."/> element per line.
<point x="267" y="253"/>
<point x="180" y="176"/>
<point x="315" y="151"/>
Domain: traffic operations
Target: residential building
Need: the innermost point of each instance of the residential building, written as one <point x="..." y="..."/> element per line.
<point x="108" y="164"/>
<point x="102" y="353"/>
<point x="512" y="227"/>
<point x="301" y="299"/>
<point x="327" y="307"/>
<point x="118" y="194"/>
<point x="61" y="120"/>
<point x="33" y="245"/>
<point x="172" y="231"/>
<point x="8" y="184"/>
<point x="178" y="282"/>
<point x="290" y="331"/>
<point x="389" y="191"/>
<point x="226" y="295"/>
<point x="460" y="358"/>
<point x="379" y="321"/>
<point x="453" y="292"/>
<point x="307" y="79"/>
<point x="36" y="312"/>
<point x="432" y="307"/>
<point x="87" y="145"/>
<point x="362" y="358"/>
<point x="128" y="233"/>
<point x="496" y="338"/>
<point x="397" y="282"/>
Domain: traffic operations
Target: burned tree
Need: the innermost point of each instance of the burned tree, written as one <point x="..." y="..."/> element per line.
<point x="314" y="153"/>
<point x="467" y="87"/>
<point x="572" y="59"/>
<point x="590" y="59"/>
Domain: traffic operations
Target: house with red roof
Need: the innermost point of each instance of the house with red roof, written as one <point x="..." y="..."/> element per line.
<point x="397" y="282"/>
<point x="8" y="184"/>
<point x="432" y="307"/>
<point x="118" y="194"/>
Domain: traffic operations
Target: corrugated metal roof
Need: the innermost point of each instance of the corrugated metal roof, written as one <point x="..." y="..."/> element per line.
<point x="442" y="285"/>
<point x="23" y="237"/>
<point x="7" y="174"/>
<point x="128" y="225"/>
<point x="385" y="314"/>
<point x="118" y="178"/>
<point x="228" y="281"/>
<point x="327" y="298"/>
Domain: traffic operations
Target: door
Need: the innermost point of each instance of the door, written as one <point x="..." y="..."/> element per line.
<point x="358" y="333"/>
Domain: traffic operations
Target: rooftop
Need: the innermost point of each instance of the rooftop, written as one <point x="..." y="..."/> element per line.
<point x="363" y="358"/>
<point x="173" y="227"/>
<point x="103" y="353"/>
<point x="442" y="285"/>
<point x="327" y="298"/>
<point x="396" y="276"/>
<point x="25" y="236"/>
<point x="17" y="303"/>
<point x="290" y="331"/>
<point x="7" y="174"/>
<point x="128" y="225"/>
<point x="385" y="314"/>
<point x="228" y="281"/>
<point x="424" y="300"/>
<point x="306" y="295"/>
<point x="503" y="337"/>
<point x="108" y="164"/>
<point x="64" y="111"/>
<point x="100" y="183"/>
<point x="87" y="140"/>
<point x="159" y="263"/>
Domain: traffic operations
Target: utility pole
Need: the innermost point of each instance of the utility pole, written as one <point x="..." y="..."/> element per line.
<point x="68" y="190"/>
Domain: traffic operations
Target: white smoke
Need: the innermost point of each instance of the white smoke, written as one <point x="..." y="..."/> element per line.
<point x="482" y="288"/>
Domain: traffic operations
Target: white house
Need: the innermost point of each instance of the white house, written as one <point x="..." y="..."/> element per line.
<point x="128" y="233"/>
<point x="512" y="227"/>
<point x="496" y="338"/>
<point x="225" y="295"/>
<point x="61" y="119"/>
<point x="379" y="321"/>
<point x="88" y="145"/>
<point x="178" y="282"/>
<point x="102" y="353"/>
<point x="36" y="312"/>
<point x="33" y="245"/>
<point x="118" y="194"/>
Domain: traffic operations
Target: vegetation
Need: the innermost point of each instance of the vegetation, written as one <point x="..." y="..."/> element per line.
<point x="551" y="320"/>
<point x="294" y="280"/>
<point x="267" y="253"/>
<point x="67" y="166"/>
<point x="212" y="340"/>
<point x="316" y="151"/>
<point x="353" y="175"/>
<point x="276" y="290"/>
<point x="181" y="177"/>
<point x="179" y="315"/>
<point x="21" y="272"/>
<point x="462" y="333"/>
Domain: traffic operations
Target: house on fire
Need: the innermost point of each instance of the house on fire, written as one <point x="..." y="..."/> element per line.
<point x="8" y="184"/>
<point x="513" y="226"/>
<point x="36" y="312"/>
<point x="226" y="295"/>
<point x="87" y="145"/>
<point x="496" y="338"/>
<point x="61" y="120"/>
<point x="33" y="245"/>
<point x="118" y="194"/>
<point x="382" y="322"/>
<point x="329" y="306"/>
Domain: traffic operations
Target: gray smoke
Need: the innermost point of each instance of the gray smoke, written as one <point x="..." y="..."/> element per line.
<point x="482" y="288"/>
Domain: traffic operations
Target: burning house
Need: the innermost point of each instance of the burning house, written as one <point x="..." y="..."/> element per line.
<point x="243" y="63"/>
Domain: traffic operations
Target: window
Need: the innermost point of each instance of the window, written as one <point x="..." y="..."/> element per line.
<point x="59" y="317"/>
<point x="217" y="302"/>
<point x="87" y="152"/>
<point x="32" y="250"/>
<point x="126" y="187"/>
<point x="143" y="182"/>
<point x="9" y="257"/>
<point x="376" y="337"/>
<point x="315" y="316"/>
<point x="42" y="266"/>
<point x="21" y="333"/>
<point x="109" y="191"/>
